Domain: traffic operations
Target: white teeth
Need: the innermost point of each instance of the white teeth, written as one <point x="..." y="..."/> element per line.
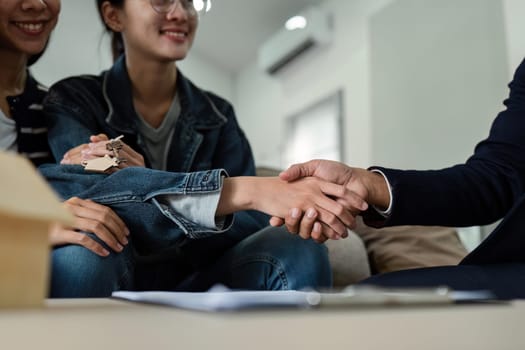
<point x="176" y="34"/>
<point x="30" y="27"/>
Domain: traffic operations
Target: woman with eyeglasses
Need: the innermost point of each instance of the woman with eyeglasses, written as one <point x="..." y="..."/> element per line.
<point x="169" y="124"/>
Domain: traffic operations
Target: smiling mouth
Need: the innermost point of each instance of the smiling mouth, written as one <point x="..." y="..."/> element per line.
<point x="179" y="35"/>
<point x="30" y="28"/>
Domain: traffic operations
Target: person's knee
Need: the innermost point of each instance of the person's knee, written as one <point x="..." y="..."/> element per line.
<point x="77" y="272"/>
<point x="306" y="264"/>
<point x="291" y="262"/>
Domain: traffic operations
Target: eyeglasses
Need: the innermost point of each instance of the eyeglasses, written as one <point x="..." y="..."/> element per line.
<point x="192" y="7"/>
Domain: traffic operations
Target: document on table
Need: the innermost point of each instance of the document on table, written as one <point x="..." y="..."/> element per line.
<point x="222" y="299"/>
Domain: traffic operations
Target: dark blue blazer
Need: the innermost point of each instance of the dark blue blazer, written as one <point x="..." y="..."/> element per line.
<point x="488" y="187"/>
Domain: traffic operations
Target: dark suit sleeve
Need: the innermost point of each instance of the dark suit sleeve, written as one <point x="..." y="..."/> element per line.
<point x="478" y="192"/>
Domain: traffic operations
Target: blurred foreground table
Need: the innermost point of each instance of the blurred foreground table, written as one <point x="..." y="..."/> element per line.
<point x="111" y="324"/>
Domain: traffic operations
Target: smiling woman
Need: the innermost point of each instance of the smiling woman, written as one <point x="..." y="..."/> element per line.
<point x="26" y="26"/>
<point x="170" y="124"/>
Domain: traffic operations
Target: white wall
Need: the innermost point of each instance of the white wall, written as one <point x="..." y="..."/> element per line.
<point x="436" y="85"/>
<point x="79" y="45"/>
<point x="351" y="64"/>
<point x="263" y="101"/>
<point x="208" y="76"/>
<point x="514" y="10"/>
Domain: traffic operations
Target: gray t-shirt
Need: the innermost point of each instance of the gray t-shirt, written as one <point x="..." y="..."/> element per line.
<point x="7" y="133"/>
<point x="158" y="139"/>
<point x="199" y="208"/>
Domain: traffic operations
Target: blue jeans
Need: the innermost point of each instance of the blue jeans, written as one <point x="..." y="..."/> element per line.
<point x="164" y="252"/>
<point x="271" y="259"/>
<point x="77" y="272"/>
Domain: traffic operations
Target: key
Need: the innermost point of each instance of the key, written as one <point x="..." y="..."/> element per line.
<point x="115" y="145"/>
<point x="103" y="164"/>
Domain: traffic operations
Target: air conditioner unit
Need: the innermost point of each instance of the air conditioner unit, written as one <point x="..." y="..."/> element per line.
<point x="286" y="45"/>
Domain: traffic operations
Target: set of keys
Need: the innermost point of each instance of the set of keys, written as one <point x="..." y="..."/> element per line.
<point x="104" y="164"/>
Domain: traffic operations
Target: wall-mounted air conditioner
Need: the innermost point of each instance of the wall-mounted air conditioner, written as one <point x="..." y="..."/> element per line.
<point x="310" y="28"/>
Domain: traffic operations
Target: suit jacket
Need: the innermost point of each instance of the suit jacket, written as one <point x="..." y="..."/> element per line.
<point x="489" y="186"/>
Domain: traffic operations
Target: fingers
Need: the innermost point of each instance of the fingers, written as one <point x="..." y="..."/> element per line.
<point x="292" y="220"/>
<point x="99" y="138"/>
<point x="59" y="235"/>
<point x="74" y="155"/>
<point x="108" y="217"/>
<point x="298" y="171"/>
<point x="343" y="208"/>
<point x="335" y="216"/>
<point x="78" y="154"/>
<point x="316" y="230"/>
<point x="317" y="233"/>
<point x="307" y="226"/>
<point x="99" y="230"/>
<point x="99" y="220"/>
<point x="349" y="199"/>
<point x="276" y="221"/>
<point x="132" y="158"/>
<point x="307" y="223"/>
<point x="98" y="149"/>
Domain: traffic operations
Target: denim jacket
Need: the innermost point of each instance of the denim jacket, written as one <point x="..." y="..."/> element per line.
<point x="207" y="135"/>
<point x="136" y="195"/>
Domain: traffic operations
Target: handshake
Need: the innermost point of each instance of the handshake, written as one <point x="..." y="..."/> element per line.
<point x="319" y="199"/>
<point x="348" y="192"/>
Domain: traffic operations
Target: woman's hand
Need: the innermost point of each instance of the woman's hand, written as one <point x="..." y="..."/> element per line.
<point x="76" y="155"/>
<point x="369" y="186"/>
<point x="93" y="218"/>
<point x="318" y="207"/>
<point x="308" y="195"/>
<point x="96" y="148"/>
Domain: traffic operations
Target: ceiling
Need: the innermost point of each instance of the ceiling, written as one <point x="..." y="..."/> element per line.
<point x="232" y="31"/>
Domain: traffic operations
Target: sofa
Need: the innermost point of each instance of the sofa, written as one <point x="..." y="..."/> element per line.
<point x="369" y="251"/>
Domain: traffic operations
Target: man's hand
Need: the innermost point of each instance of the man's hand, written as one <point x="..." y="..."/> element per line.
<point x="327" y="170"/>
<point x="93" y="218"/>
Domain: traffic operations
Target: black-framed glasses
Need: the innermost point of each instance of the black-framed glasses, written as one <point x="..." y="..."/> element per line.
<point x="192" y="7"/>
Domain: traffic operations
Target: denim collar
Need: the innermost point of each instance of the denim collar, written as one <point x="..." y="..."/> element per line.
<point x="196" y="106"/>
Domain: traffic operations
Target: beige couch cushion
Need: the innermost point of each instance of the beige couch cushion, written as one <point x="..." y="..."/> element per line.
<point x="349" y="260"/>
<point x="406" y="247"/>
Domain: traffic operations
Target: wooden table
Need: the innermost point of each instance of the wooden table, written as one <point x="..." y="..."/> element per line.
<point x="100" y="324"/>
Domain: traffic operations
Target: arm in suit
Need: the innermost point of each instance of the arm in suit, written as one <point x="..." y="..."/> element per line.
<point x="480" y="191"/>
<point x="475" y="193"/>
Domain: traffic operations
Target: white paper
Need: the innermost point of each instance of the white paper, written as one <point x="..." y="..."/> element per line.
<point x="221" y="299"/>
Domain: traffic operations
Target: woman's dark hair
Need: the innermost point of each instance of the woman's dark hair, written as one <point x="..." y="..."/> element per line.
<point x="117" y="44"/>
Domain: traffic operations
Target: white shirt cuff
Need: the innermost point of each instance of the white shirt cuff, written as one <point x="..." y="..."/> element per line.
<point x="388" y="210"/>
<point x="199" y="208"/>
